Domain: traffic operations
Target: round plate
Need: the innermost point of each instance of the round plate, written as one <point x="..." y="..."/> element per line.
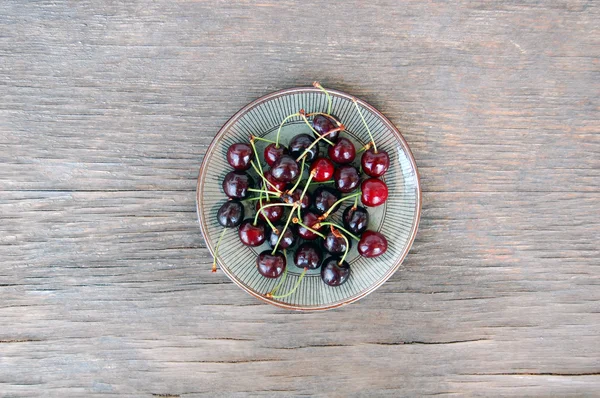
<point x="397" y="219"/>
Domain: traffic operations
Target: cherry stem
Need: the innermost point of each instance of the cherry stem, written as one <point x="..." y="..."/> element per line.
<point x="263" y="139"/>
<point x="287" y="223"/>
<point x="264" y="178"/>
<point x="318" y="85"/>
<point x="313" y="130"/>
<point x="214" y="264"/>
<point x="326" y="214"/>
<point x="264" y="191"/>
<point x="320" y="137"/>
<point x="257" y="161"/>
<point x="295" y="287"/>
<point x="265" y="216"/>
<point x="355" y="203"/>
<point x="312" y="230"/>
<point x="280" y="283"/>
<point x="365" y="123"/>
<point x="310" y="177"/>
<point x="281" y="125"/>
<point x="341" y="229"/>
<point x="290" y="191"/>
<point x="364" y="147"/>
<point x="323" y="182"/>
<point x="347" y="249"/>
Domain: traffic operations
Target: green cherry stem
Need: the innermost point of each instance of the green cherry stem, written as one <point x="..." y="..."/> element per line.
<point x="364" y="148"/>
<point x="311" y="230"/>
<point x="264" y="191"/>
<point x="341" y="229"/>
<point x="263" y="139"/>
<point x="365" y="123"/>
<point x="287" y="223"/>
<point x="280" y="283"/>
<point x="323" y="182"/>
<point x="310" y="177"/>
<point x="318" y="85"/>
<point x="257" y="158"/>
<point x="326" y="214"/>
<point x="295" y="286"/>
<point x="214" y="264"/>
<point x="320" y="137"/>
<point x="313" y="130"/>
<point x="267" y="206"/>
<point x="355" y="203"/>
<point x="347" y="249"/>
<point x="260" y="174"/>
<point x="291" y="190"/>
<point x="281" y="125"/>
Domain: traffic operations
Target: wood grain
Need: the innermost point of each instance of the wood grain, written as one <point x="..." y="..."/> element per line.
<point x="106" y="109"/>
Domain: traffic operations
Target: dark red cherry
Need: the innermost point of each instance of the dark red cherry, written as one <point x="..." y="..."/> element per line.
<point x="308" y="255"/>
<point x="299" y="143"/>
<point x="270" y="265"/>
<point x="272" y="153"/>
<point x="323" y="169"/>
<point x="309" y="219"/>
<point x="375" y="164"/>
<point x="372" y="244"/>
<point x="236" y="184"/>
<point x="285" y="169"/>
<point x="335" y="243"/>
<point x="333" y="273"/>
<point x="356" y="220"/>
<point x="252" y="235"/>
<point x="239" y="156"/>
<point x="230" y="214"/>
<point x="288" y="239"/>
<point x="273" y="213"/>
<point x="323" y="124"/>
<point x="374" y="192"/>
<point x="324" y="198"/>
<point x="295" y="196"/>
<point x="346" y="178"/>
<point x="343" y="151"/>
<point x="279" y="184"/>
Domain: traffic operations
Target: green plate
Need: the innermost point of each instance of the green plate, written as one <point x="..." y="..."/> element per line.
<point x="397" y="219"/>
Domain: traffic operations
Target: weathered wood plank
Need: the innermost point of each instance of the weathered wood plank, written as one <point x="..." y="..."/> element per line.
<point x="107" y="108"/>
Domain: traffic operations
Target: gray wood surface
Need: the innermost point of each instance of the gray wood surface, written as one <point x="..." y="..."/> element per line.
<point x="106" y="109"/>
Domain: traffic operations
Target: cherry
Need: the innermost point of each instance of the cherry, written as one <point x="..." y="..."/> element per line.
<point x="309" y="219"/>
<point x="285" y="169"/>
<point x="279" y="184"/>
<point x="346" y="178"/>
<point x="333" y="273"/>
<point x="288" y="239"/>
<point x="271" y="265"/>
<point x="272" y="153"/>
<point x="230" y="214"/>
<point x="323" y="169"/>
<point x="308" y="255"/>
<point x="372" y="244"/>
<point x="375" y="164"/>
<point x="323" y="124"/>
<point x="252" y="235"/>
<point x="239" y="156"/>
<point x="295" y="197"/>
<point x="236" y="184"/>
<point x="343" y="151"/>
<point x="356" y="220"/>
<point x="335" y="243"/>
<point x="299" y="144"/>
<point x="324" y="198"/>
<point x="273" y="213"/>
<point x="374" y="192"/>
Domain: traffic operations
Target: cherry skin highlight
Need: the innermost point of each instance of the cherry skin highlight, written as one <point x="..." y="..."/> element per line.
<point x="375" y="164"/>
<point x="272" y="153"/>
<point x="285" y="169"/>
<point x="334" y="274"/>
<point x="346" y="178"/>
<point x="356" y="220"/>
<point x="237" y="183"/>
<point x="342" y="152"/>
<point x="308" y="255"/>
<point x="374" y="192"/>
<point x="239" y="156"/>
<point x="322" y="169"/>
<point x="271" y="265"/>
<point x="252" y="235"/>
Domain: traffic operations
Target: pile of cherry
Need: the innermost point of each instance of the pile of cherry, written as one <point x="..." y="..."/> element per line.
<point x="287" y="213"/>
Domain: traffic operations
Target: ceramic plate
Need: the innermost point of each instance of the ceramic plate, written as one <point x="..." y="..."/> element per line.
<point x="397" y="219"/>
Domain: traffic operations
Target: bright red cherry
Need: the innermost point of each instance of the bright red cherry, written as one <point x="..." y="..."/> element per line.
<point x="343" y="151"/>
<point x="272" y="153"/>
<point x="323" y="169"/>
<point x="374" y="192"/>
<point x="285" y="169"/>
<point x="309" y="219"/>
<point x="236" y="184"/>
<point x="273" y="213"/>
<point x="252" y="235"/>
<point x="239" y="156"/>
<point x="346" y="178"/>
<point x="333" y="273"/>
<point x="375" y="164"/>
<point x="372" y="244"/>
<point x="271" y="265"/>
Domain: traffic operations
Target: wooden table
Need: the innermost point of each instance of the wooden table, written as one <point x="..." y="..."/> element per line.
<point x="106" y="109"/>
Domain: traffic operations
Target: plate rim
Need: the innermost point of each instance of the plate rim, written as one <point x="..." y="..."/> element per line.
<point x="391" y="126"/>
